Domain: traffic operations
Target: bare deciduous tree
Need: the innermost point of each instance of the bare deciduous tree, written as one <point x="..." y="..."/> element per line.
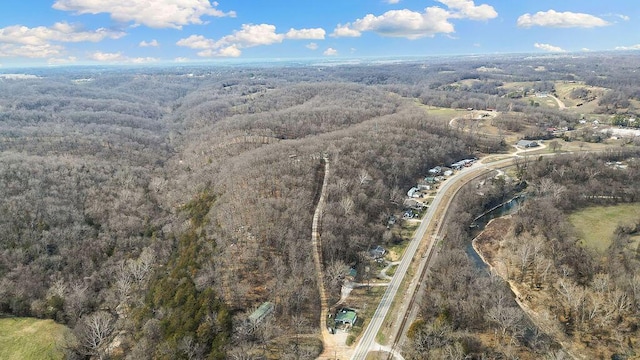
<point x="93" y="332"/>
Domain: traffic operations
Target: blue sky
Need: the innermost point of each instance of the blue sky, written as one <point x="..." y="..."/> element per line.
<point x="45" y="32"/>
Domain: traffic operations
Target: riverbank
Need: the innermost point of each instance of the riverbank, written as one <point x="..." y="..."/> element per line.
<point x="537" y="304"/>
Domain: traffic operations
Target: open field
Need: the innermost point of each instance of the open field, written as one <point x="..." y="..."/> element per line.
<point x="29" y="338"/>
<point x="518" y="85"/>
<point x="547" y="101"/>
<point x="442" y="113"/>
<point x="564" y="90"/>
<point x="596" y="225"/>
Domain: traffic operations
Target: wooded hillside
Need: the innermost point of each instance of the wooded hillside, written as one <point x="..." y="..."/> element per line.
<point x="160" y="207"/>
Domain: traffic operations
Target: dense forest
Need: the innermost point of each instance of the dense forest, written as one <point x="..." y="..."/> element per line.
<point x="152" y="209"/>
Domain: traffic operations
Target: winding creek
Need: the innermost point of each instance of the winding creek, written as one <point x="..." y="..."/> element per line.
<point x="506" y="208"/>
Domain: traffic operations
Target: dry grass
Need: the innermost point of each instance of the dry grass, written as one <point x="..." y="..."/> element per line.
<point x="596" y="225"/>
<point x="378" y="355"/>
<point x="442" y="113"/>
<point x="364" y="300"/>
<point x="28" y="338"/>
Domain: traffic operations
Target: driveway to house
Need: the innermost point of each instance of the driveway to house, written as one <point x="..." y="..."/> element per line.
<point x="561" y="104"/>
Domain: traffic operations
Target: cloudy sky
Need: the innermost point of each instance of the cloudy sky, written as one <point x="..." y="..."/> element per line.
<point x="44" y="32"/>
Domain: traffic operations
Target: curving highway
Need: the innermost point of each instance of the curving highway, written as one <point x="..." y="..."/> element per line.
<point x="432" y="217"/>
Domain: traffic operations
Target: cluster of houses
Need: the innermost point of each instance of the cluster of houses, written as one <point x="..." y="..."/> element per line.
<point x="436" y="174"/>
<point x="463" y="163"/>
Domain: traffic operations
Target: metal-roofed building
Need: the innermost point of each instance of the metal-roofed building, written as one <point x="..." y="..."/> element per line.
<point x="262" y="312"/>
<point x="346" y="316"/>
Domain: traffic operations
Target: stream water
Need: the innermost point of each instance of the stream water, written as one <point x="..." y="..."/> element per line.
<point x="479" y="224"/>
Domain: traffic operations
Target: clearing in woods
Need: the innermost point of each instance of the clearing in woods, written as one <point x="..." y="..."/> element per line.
<point x="596" y="225"/>
<point x="29" y="338"/>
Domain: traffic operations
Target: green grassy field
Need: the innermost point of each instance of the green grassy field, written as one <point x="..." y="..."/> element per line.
<point x="31" y="339"/>
<point x="597" y="224"/>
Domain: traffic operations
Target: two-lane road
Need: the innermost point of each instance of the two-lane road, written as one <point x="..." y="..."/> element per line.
<point x="447" y="190"/>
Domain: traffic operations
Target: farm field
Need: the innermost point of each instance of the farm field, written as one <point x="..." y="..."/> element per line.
<point x="596" y="225"/>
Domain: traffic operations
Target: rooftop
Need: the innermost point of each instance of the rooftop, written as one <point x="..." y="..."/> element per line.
<point x="262" y="311"/>
<point x="346" y="316"/>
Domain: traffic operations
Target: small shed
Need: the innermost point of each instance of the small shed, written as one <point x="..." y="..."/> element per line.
<point x="262" y="312"/>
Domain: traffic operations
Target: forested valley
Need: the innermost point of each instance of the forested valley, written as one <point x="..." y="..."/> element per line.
<point x="151" y="210"/>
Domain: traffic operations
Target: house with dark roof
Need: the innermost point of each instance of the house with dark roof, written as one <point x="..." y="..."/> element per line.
<point x="527" y="144"/>
<point x="377" y="252"/>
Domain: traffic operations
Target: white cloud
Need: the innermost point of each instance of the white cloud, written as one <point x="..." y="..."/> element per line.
<point x="619" y="16"/>
<point x="312" y="46"/>
<point x="345" y="31"/>
<point x="196" y="42"/>
<point x="118" y="57"/>
<point x="30" y="51"/>
<point x="181" y="60"/>
<point x="467" y="9"/>
<point x="152" y="43"/>
<point x="632" y="47"/>
<point x="556" y="19"/>
<point x="59" y="61"/>
<point x="61" y="32"/>
<point x="401" y="23"/>
<point x="253" y="35"/>
<point x="249" y="35"/>
<point x="585" y="49"/>
<point x="330" y="52"/>
<point x="414" y="25"/>
<point x="41" y="41"/>
<point x="548" y="47"/>
<point x="155" y="14"/>
<point x="142" y="60"/>
<point x="306" y="34"/>
<point x="230" y="51"/>
<point x="108" y="57"/>
<point x="392" y="1"/>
